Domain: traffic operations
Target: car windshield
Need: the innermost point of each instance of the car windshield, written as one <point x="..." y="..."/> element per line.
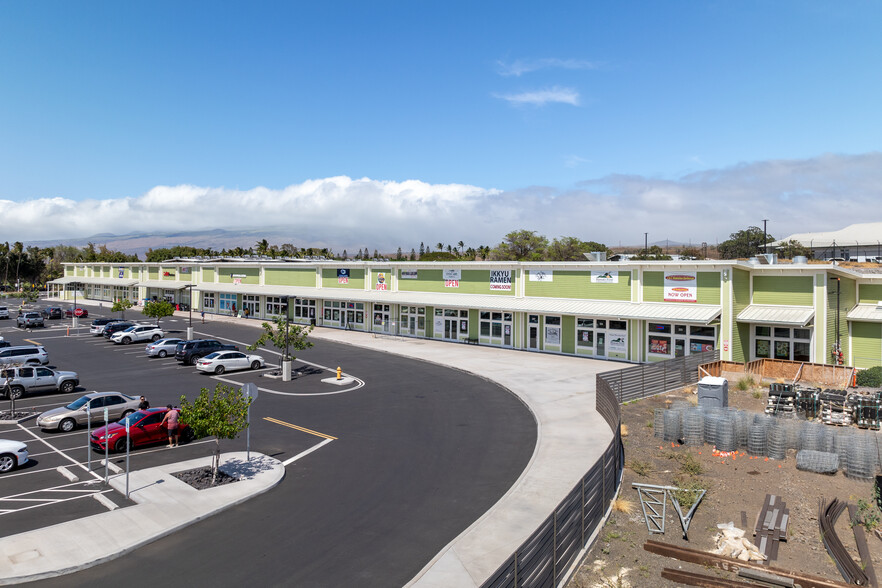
<point x="78" y="403"/>
<point x="128" y="330"/>
<point x="214" y="355"/>
<point x="133" y="418"/>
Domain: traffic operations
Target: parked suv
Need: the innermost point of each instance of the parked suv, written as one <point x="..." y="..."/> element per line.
<point x="30" y="319"/>
<point x="189" y="351"/>
<point x="52" y="312"/>
<point x="114" y="327"/>
<point x="137" y="333"/>
<point x="16" y="381"/>
<point x="98" y="325"/>
<point x="24" y="354"/>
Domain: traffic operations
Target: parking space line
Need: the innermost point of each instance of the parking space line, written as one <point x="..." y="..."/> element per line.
<point x="57" y="501"/>
<point x="292" y="426"/>
<point x="58" y="451"/>
<point x="307" y="452"/>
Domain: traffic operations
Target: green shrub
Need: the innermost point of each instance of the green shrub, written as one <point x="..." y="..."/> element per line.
<point x="871" y="377"/>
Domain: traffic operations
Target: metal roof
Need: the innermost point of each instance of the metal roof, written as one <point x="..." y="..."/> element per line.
<point x="865" y="312"/>
<point x="166" y="284"/>
<point x="689" y="313"/>
<point x="773" y="314"/>
<point x="99" y="281"/>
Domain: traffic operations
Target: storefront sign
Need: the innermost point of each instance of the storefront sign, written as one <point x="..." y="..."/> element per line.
<point x="342" y="275"/>
<point x="237" y="281"/>
<point x="618" y="344"/>
<point x="408" y="274"/>
<point x="552" y="335"/>
<point x="167" y="274"/>
<point x="381" y="281"/>
<point x="121" y="272"/>
<point x="681" y="287"/>
<point x="725" y="345"/>
<point x="605" y="277"/>
<point x="185" y="270"/>
<point x="452" y="278"/>
<point x="451" y="283"/>
<point x="238" y="275"/>
<point x="500" y="280"/>
<point x="541" y="275"/>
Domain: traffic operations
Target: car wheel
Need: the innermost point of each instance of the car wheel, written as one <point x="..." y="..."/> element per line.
<point x="127" y="413"/>
<point x="33" y="362"/>
<point x="120" y="445"/>
<point x="67" y="387"/>
<point x="155" y="337"/>
<point x="126" y="340"/>
<point x="162" y="353"/>
<point x="7" y="463"/>
<point x="219" y="370"/>
<point x="255" y="365"/>
<point x="16" y="392"/>
<point x="193" y="360"/>
<point x="67" y="425"/>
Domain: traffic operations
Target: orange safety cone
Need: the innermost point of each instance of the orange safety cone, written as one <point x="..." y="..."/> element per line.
<point x="68" y="332"/>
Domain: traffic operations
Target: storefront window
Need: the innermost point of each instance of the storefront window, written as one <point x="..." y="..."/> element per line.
<point x="208" y="300"/>
<point x="584" y="332"/>
<point x="618" y="325"/>
<point x="660" y="345"/>
<point x="782" y="343"/>
<point x="686" y="339"/>
<point x="659" y="328"/>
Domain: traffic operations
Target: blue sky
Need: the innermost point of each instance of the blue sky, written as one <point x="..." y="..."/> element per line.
<point x="597" y="120"/>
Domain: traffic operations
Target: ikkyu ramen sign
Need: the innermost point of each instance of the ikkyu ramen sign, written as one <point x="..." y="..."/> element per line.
<point x="681" y="287"/>
<point x="500" y="280"/>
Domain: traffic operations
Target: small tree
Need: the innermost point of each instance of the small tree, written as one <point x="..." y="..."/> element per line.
<point x="159" y="309"/>
<point x="284" y="336"/>
<point x="222" y="414"/>
<point x="121" y="306"/>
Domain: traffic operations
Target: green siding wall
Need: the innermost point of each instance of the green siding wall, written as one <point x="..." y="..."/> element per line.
<point x="208" y="274"/>
<point x="866" y="342"/>
<point x="870" y="293"/>
<point x="740" y="301"/>
<point x="472" y="282"/>
<point x="153" y="273"/>
<point x="290" y="277"/>
<point x="790" y="290"/>
<point x="251" y="275"/>
<point x="568" y="334"/>
<point x="577" y="284"/>
<point x="356" y="279"/>
<point x="847" y="297"/>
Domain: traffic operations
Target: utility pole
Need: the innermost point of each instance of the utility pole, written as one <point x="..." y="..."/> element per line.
<point x="765" y="239"/>
<point x="645" y="243"/>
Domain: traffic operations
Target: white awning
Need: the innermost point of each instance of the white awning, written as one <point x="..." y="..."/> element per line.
<point x="94" y="281"/>
<point x="868" y="313"/>
<point x="773" y="314"/>
<point x="164" y="284"/>
<point x="680" y="312"/>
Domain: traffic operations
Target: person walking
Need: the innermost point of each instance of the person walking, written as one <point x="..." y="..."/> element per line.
<point x="203" y="317"/>
<point x="170" y="420"/>
<point x="143" y="405"/>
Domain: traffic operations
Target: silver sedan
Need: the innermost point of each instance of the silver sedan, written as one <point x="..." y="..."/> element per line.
<point x="162" y="348"/>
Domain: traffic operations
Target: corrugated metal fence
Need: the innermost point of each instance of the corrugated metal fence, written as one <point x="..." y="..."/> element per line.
<point x="546" y="558"/>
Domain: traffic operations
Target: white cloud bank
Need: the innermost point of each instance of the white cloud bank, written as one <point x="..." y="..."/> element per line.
<point x="552" y="95"/>
<point x="519" y="67"/>
<point x="818" y="194"/>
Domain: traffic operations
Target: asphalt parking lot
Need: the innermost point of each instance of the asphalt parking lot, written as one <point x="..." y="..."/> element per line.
<point x="382" y="473"/>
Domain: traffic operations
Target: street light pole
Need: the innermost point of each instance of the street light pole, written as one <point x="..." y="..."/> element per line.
<point x="190" y="305"/>
<point x="286" y="363"/>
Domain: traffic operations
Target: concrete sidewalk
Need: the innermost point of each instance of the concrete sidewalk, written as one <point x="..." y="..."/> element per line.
<point x="164" y="504"/>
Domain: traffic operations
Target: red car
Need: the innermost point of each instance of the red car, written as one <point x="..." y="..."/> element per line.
<point x="145" y="428"/>
<point x="79" y="312"/>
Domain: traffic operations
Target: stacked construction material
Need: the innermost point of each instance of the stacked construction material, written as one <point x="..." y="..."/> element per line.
<point x="693" y="427"/>
<point x="658" y="422"/>
<point x="727" y="437"/>
<point x="867" y="410"/>
<point x="807" y="401"/>
<point x="837" y="410"/>
<point x="861" y="457"/>
<point x="777" y="442"/>
<point x="781" y="399"/>
<point x="819" y="462"/>
<point x="756" y="440"/>
<point x="672" y="425"/>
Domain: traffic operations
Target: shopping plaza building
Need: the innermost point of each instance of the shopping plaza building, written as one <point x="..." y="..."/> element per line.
<point x="626" y="311"/>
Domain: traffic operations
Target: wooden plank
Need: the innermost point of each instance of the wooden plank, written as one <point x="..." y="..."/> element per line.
<point x="692" y="579"/>
<point x="744" y="520"/>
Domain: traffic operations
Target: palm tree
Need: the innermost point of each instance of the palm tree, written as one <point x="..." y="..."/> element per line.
<point x="262" y="247"/>
<point x="439" y="246"/>
<point x="461" y="246"/>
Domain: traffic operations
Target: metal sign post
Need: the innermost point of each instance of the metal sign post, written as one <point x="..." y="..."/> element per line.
<point x="106" y="447"/>
<point x="250" y="392"/>
<point x="127" y="457"/>
<point x="89" y="436"/>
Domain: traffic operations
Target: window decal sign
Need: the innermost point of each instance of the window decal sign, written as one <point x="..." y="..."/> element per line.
<point x="611" y="277"/>
<point x="451" y="278"/>
<point x="500" y="280"/>
<point x="342" y="275"/>
<point x="541" y="275"/>
<point x="381" y="281"/>
<point x="681" y="286"/>
<point x="408" y="274"/>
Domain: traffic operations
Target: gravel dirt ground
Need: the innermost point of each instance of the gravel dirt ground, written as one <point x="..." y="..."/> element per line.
<point x="734" y="484"/>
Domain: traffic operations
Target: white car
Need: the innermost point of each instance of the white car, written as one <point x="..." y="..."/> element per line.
<point x="13" y="454"/>
<point x="221" y="361"/>
<point x="138" y="333"/>
<point x="4" y="312"/>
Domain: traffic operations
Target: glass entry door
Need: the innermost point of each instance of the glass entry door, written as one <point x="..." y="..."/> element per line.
<point x="533" y="331"/>
<point x="600" y="344"/>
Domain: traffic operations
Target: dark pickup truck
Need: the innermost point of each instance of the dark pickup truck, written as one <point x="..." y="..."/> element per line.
<point x="187" y="352"/>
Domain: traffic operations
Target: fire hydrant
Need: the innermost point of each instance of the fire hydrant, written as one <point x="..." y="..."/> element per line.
<point x="339" y="373"/>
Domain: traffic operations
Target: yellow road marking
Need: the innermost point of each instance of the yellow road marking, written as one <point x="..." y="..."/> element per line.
<point x="32" y="342"/>
<point x="310" y="431"/>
